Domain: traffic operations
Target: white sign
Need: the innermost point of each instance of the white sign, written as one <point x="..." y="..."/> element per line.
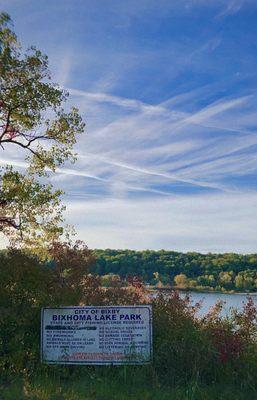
<point x="96" y="335"/>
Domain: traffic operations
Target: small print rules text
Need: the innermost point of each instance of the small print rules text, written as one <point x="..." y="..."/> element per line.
<point x="97" y="335"/>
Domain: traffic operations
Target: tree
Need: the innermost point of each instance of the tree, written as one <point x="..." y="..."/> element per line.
<point x="110" y="280"/>
<point x="71" y="262"/>
<point x="226" y="279"/>
<point x="180" y="280"/>
<point x="206" y="280"/>
<point x="26" y="285"/>
<point x="32" y="120"/>
<point x="245" y="280"/>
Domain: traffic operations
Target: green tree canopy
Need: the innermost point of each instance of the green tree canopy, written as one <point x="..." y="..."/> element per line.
<point x="33" y="122"/>
<point x="180" y="280"/>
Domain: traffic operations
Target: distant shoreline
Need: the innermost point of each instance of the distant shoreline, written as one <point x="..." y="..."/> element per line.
<point x="200" y="291"/>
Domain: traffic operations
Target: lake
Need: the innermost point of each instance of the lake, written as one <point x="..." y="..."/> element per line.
<point x="210" y="299"/>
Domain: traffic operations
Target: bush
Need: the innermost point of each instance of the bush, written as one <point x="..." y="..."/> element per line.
<point x="182" y="352"/>
<point x="28" y="284"/>
<point x="24" y="289"/>
<point x="186" y="348"/>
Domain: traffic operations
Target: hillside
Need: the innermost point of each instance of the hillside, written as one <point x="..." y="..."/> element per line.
<point x="226" y="272"/>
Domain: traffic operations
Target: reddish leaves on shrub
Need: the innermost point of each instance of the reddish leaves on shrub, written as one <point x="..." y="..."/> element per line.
<point x="246" y="319"/>
<point x="230" y="336"/>
<point x="229" y="345"/>
<point x="135" y="281"/>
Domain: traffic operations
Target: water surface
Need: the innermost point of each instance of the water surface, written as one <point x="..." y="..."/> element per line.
<point x="210" y="299"/>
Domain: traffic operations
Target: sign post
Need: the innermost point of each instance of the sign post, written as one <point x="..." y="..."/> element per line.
<point x="96" y="335"/>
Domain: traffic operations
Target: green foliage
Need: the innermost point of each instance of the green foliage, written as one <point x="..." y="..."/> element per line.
<point x="24" y="288"/>
<point x="226" y="272"/>
<point x="26" y="285"/>
<point x="110" y="385"/>
<point x="181" y="349"/>
<point x="113" y="387"/>
<point x="186" y="348"/>
<point x="33" y="123"/>
<point x="31" y="207"/>
<point x="181" y="280"/>
<point x="26" y="94"/>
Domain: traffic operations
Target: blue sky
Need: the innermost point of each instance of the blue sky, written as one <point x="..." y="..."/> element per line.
<point x="168" y="92"/>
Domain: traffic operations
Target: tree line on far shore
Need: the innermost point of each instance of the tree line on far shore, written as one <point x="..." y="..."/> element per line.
<point x="221" y="272"/>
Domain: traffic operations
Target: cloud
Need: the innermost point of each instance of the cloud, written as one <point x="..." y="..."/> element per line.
<point x="231" y="8"/>
<point x="62" y="171"/>
<point x="169" y="176"/>
<point x="216" y="223"/>
<point x="149" y="151"/>
<point x="116" y="100"/>
<point x="167" y="90"/>
<point x="64" y="68"/>
<point x="145" y="144"/>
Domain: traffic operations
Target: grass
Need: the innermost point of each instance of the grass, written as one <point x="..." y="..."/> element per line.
<point x="109" y="386"/>
<point x="194" y="359"/>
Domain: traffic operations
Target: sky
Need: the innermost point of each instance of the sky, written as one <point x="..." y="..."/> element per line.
<point x="168" y="91"/>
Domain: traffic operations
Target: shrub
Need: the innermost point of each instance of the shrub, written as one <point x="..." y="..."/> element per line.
<point x="181" y="349"/>
<point x="186" y="348"/>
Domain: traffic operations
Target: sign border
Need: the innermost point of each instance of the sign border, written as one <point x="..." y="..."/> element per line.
<point x="148" y="361"/>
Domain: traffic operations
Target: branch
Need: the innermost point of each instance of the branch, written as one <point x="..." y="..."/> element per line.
<point x="5" y="88"/>
<point x="7" y="124"/>
<point x="25" y="146"/>
<point x="9" y="222"/>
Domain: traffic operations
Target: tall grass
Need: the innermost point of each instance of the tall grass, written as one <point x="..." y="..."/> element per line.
<point x="111" y="386"/>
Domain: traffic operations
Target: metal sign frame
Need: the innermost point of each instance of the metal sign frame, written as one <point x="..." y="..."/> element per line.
<point x="132" y="358"/>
